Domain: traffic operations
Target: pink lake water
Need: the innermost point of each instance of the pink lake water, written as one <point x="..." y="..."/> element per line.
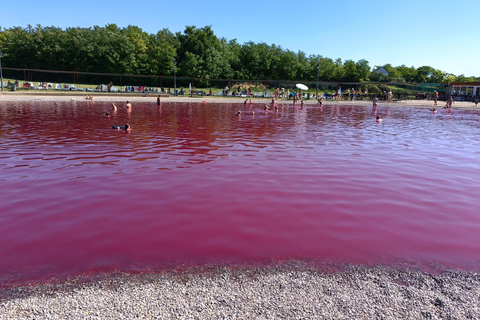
<point x="193" y="184"/>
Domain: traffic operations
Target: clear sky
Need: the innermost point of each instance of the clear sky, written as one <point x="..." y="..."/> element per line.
<point x="437" y="33"/>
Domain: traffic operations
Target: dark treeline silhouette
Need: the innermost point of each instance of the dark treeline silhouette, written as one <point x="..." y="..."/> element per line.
<point x="195" y="53"/>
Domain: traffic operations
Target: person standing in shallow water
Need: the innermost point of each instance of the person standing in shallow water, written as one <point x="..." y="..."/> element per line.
<point x="449" y="103"/>
<point x="159" y="101"/>
<point x="389" y="96"/>
<point x="435" y="97"/>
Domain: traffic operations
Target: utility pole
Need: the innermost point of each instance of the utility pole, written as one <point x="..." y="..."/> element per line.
<point x="1" y="72"/>
<point x="174" y="77"/>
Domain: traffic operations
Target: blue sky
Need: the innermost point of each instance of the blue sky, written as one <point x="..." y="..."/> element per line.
<point x="440" y="34"/>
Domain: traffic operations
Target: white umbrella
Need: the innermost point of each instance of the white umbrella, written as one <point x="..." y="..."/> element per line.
<point x="301" y="86"/>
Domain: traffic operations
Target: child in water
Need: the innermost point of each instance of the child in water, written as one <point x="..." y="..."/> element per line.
<point x="320" y="101"/>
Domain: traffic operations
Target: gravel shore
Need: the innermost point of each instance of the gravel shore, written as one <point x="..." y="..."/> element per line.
<point x="288" y="291"/>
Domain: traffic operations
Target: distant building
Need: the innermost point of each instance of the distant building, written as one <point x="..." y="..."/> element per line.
<point x="463" y="88"/>
<point x="382" y="71"/>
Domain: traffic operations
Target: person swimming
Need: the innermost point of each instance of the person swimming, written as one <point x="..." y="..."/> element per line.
<point x="128" y="105"/>
<point x="120" y="127"/>
<point x="379" y="119"/>
<point x="434" y="111"/>
<point x="107" y="114"/>
<point x="239" y="113"/>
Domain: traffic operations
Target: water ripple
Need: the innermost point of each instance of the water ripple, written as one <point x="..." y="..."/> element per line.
<point x="196" y="181"/>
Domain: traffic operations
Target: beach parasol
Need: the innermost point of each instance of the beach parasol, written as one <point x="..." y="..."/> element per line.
<point x="301" y="86"/>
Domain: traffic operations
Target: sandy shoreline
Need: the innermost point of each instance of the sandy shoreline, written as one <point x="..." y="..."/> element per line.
<point x="9" y="96"/>
<point x="287" y="291"/>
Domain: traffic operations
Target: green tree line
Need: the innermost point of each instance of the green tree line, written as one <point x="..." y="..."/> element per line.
<point x="195" y="52"/>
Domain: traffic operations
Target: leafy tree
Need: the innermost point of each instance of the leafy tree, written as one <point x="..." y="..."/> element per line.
<point x="350" y="71"/>
<point x="252" y="61"/>
<point x="408" y="73"/>
<point x="338" y="70"/>
<point x="162" y="51"/>
<point x="449" y="78"/>
<point x="233" y="53"/>
<point x="304" y="73"/>
<point x="201" y="45"/>
<point x="424" y="74"/>
<point x="326" y="68"/>
<point x="197" y="51"/>
<point x="288" y="65"/>
<point x="463" y="78"/>
<point x="363" y="70"/>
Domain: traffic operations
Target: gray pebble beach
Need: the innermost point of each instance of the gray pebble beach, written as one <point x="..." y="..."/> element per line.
<point x="287" y="291"/>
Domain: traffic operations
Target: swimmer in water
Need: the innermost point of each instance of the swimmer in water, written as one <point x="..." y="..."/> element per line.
<point x="107" y="114"/>
<point x="320" y="101"/>
<point x="434" y="111"/>
<point x="239" y="113"/>
<point x="266" y="107"/>
<point x="128" y="105"/>
<point x="126" y="127"/>
<point x="379" y="119"/>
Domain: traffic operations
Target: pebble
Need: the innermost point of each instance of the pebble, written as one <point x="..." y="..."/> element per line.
<point x="270" y="292"/>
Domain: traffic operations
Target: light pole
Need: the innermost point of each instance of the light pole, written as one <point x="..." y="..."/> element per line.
<point x="318" y="75"/>
<point x="174" y="77"/>
<point x="1" y="73"/>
